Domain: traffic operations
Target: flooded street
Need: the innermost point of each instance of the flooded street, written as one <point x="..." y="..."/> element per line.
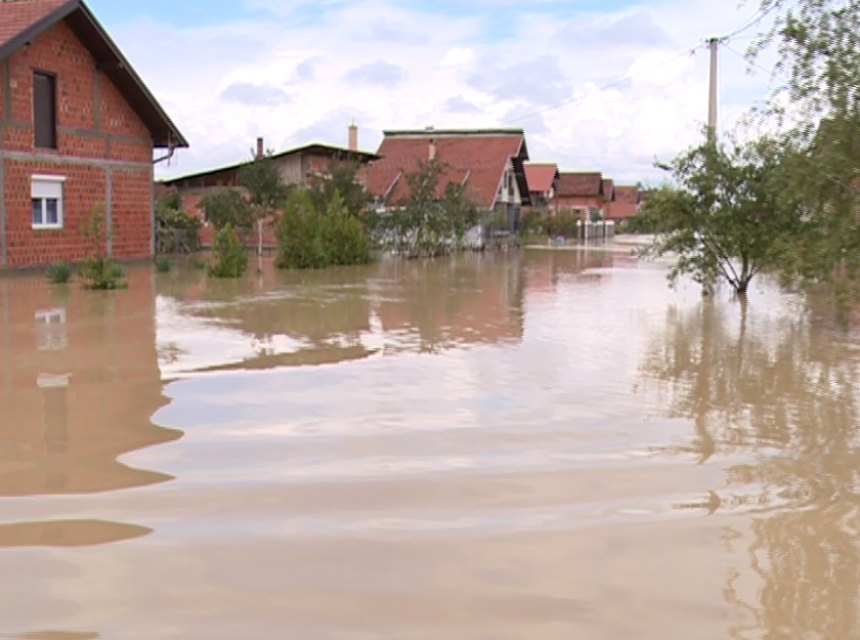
<point x="545" y="446"/>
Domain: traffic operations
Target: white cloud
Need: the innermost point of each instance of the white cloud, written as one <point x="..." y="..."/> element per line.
<point x="458" y="55"/>
<point x="391" y="65"/>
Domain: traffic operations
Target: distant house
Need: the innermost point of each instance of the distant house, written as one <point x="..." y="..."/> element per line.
<point x="77" y="131"/>
<point x="608" y="197"/>
<point x="300" y="165"/>
<point x="542" y="178"/>
<point x="627" y="202"/>
<point x="487" y="162"/>
<point x="581" y="192"/>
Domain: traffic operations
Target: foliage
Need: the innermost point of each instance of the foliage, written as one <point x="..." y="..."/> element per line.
<point x="730" y="213"/>
<point x="231" y="259"/>
<point x="818" y="47"/>
<point x="426" y="222"/>
<point x="342" y="179"/>
<point x="312" y="237"/>
<point x="99" y="271"/>
<point x="267" y="191"/>
<point x="59" y="272"/>
<point x="162" y="264"/>
<point x="225" y="205"/>
<point x="175" y="230"/>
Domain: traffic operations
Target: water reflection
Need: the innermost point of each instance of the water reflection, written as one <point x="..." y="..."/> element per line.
<point x="80" y="383"/>
<point x="774" y="399"/>
<point x="288" y="319"/>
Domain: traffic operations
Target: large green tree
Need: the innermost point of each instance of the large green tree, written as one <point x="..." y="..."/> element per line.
<point x="818" y="46"/>
<point x="728" y="212"/>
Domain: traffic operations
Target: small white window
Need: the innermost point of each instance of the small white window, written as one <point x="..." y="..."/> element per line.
<point x="46" y="193"/>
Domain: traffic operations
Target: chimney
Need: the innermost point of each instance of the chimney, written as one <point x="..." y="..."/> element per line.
<point x="260" y="147"/>
<point x="353" y="136"/>
<point x="431" y="152"/>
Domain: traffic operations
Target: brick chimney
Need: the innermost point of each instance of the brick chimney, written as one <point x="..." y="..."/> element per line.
<point x="353" y="136"/>
<point x="431" y="151"/>
<point x="260" y="147"/>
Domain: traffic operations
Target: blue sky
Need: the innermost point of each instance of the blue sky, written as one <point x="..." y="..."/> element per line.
<point x="295" y="71"/>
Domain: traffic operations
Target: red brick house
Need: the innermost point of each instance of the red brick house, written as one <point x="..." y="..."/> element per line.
<point x="542" y="179"/>
<point x="488" y="162"/>
<point x="626" y="205"/>
<point x="301" y="165"/>
<point x="583" y="192"/>
<point x="77" y="130"/>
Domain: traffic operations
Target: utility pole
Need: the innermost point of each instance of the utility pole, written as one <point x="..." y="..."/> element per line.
<point x="713" y="43"/>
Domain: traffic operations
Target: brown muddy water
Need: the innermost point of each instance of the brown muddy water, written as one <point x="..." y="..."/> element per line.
<point x="545" y="445"/>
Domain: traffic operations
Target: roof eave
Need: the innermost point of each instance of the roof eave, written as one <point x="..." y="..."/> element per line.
<point x="178" y="141"/>
<point x="43" y="24"/>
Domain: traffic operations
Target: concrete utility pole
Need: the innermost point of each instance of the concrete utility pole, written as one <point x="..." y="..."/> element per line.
<point x="713" y="43"/>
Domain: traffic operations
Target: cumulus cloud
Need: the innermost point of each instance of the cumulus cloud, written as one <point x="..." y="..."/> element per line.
<point x="255" y="94"/>
<point x="378" y="72"/>
<point x="392" y="65"/>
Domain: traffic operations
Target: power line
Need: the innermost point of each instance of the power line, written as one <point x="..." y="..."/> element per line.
<point x="753" y="63"/>
<point x="757" y="17"/>
<point x="615" y="83"/>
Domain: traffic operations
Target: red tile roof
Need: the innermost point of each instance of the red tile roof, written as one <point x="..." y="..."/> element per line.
<point x="16" y="17"/>
<point x="540" y="176"/>
<point x="475" y="158"/>
<point x="580" y="184"/>
<point x="24" y="20"/>
<point x="629" y="195"/>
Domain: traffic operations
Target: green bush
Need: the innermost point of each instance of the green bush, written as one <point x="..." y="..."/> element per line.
<point x="99" y="272"/>
<point x="231" y="259"/>
<point x="310" y="238"/>
<point x="162" y="264"/>
<point x="59" y="272"/>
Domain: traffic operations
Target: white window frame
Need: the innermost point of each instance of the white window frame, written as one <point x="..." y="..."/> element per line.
<point x="45" y="187"/>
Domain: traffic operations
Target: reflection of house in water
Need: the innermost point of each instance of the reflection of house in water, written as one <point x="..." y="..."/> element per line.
<point x="79" y="383"/>
<point x="470" y="299"/>
<point x="338" y="314"/>
<point x="544" y="268"/>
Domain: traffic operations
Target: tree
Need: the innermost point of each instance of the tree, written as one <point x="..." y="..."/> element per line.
<point x="313" y="237"/>
<point x="818" y="45"/>
<point x="342" y="178"/>
<point x="729" y="214"/>
<point x="266" y="189"/>
<point x="231" y="259"/>
<point x="225" y="206"/>
<point x="426" y="222"/>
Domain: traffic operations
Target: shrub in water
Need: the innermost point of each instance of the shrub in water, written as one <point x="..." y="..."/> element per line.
<point x="162" y="264"/>
<point x="59" y="272"/>
<point x="99" y="272"/>
<point x="231" y="259"/>
<point x="311" y="238"/>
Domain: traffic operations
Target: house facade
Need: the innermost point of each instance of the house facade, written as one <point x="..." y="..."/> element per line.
<point x="581" y="192"/>
<point x="626" y="204"/>
<point x="299" y="166"/>
<point x="542" y="178"/>
<point x="489" y="163"/>
<point x="78" y="129"/>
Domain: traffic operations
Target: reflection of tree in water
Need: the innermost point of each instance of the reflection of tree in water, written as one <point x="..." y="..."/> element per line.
<point x="784" y="394"/>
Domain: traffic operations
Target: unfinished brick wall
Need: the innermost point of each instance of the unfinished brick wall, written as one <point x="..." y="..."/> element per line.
<point x="104" y="151"/>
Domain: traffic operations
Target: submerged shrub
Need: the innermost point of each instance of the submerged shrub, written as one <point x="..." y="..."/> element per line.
<point x="162" y="264"/>
<point x="99" y="272"/>
<point x="59" y="272"/>
<point x="312" y="238"/>
<point x="231" y="259"/>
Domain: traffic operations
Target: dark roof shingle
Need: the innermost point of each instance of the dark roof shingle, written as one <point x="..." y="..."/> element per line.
<point x="580" y="184"/>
